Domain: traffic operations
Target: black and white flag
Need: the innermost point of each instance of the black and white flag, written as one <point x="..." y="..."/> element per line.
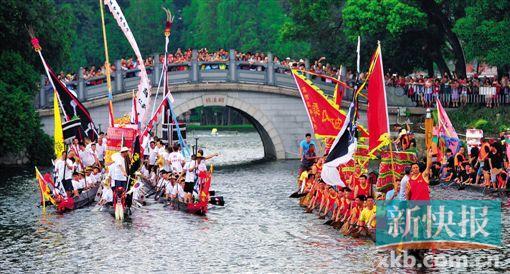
<point x="342" y="150"/>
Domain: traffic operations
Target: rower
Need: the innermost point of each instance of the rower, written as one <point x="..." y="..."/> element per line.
<point x="86" y="156"/>
<point x="90" y="181"/>
<point x="106" y="195"/>
<point x="78" y="183"/>
<point x="163" y="180"/>
<point x="366" y="222"/>
<point x="96" y="172"/>
<point x="179" y="190"/>
<point x="100" y="151"/>
<point x="170" y="187"/>
<point x="362" y="187"/>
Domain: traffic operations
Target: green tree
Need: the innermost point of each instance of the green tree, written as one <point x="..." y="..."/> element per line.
<point x="21" y="67"/>
<point x="400" y="27"/>
<point x="318" y="24"/>
<point x="485" y="32"/>
<point x="51" y="24"/>
<point x="416" y="34"/>
<point x="20" y="124"/>
<point x="147" y="22"/>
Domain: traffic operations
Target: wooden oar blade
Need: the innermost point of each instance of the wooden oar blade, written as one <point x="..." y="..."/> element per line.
<point x="218" y="200"/>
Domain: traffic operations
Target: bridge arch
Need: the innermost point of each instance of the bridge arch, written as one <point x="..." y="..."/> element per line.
<point x="271" y="139"/>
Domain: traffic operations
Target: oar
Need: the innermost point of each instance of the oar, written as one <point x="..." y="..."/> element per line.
<point x="218" y="200"/>
<point x="328" y="222"/>
<point x="295" y="194"/>
<point x="298" y="195"/>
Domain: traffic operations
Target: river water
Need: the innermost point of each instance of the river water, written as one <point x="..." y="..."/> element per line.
<point x="259" y="230"/>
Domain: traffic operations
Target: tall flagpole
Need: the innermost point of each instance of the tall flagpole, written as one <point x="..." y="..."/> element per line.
<point x="358" y="49"/>
<point x="107" y="67"/>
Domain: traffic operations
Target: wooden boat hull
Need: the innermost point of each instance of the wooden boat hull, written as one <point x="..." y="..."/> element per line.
<point x="199" y="208"/>
<point x="84" y="199"/>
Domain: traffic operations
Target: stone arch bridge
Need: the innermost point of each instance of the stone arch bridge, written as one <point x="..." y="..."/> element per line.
<point x="265" y="94"/>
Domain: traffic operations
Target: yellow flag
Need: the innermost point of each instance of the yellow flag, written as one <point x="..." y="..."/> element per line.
<point x="58" y="135"/>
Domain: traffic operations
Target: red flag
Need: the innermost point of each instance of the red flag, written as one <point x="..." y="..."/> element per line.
<point x="377" y="112"/>
<point x="324" y="114"/>
<point x="339" y="93"/>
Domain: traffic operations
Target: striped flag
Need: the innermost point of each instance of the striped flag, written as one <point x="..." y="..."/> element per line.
<point x="341" y="151"/>
<point x="445" y="129"/>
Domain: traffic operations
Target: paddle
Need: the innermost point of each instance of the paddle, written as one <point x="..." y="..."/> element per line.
<point x="298" y="195"/>
<point x="328" y="222"/>
<point x="218" y="200"/>
<point x="295" y="194"/>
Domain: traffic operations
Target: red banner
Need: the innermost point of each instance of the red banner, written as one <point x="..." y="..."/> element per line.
<point x="395" y="166"/>
<point x="377" y="112"/>
<point x="118" y="135"/>
<point x="324" y="114"/>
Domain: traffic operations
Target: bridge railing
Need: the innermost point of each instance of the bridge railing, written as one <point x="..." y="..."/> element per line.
<point x="228" y="71"/>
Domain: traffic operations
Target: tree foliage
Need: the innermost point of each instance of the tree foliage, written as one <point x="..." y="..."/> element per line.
<point x="18" y="120"/>
<point x="319" y="24"/>
<point x="485" y="32"/>
<point x="245" y="25"/>
<point x="19" y="64"/>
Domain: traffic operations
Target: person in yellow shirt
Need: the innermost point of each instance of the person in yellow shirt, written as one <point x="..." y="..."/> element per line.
<point x="302" y="180"/>
<point x="366" y="221"/>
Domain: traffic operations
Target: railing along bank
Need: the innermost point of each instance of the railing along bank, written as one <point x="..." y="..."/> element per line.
<point x="230" y="71"/>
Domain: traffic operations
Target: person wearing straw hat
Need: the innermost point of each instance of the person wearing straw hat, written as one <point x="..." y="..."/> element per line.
<point x="90" y="180"/>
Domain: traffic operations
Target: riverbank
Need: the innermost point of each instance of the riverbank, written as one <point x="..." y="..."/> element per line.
<point x="239" y="128"/>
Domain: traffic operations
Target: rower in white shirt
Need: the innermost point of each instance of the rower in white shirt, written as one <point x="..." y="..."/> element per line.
<point x="96" y="172"/>
<point x="179" y="191"/>
<point x="90" y="179"/>
<point x="176" y="159"/>
<point x="106" y="195"/>
<point x="78" y="183"/>
<point x="170" y="188"/>
<point x="86" y="157"/>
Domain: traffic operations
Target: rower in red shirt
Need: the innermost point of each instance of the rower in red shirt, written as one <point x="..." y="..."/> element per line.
<point x="417" y="188"/>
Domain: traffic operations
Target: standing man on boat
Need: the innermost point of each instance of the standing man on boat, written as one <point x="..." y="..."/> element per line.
<point x="64" y="169"/>
<point x="100" y="150"/>
<point x="119" y="169"/>
<point x="417" y="188"/>
<point x="190" y="177"/>
<point x="304" y="145"/>
<point x="153" y="154"/>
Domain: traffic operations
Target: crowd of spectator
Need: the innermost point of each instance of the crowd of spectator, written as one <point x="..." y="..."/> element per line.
<point x="451" y="91"/>
<point x="454" y="91"/>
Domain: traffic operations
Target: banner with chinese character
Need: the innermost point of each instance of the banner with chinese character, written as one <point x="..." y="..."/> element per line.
<point x="325" y="115"/>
